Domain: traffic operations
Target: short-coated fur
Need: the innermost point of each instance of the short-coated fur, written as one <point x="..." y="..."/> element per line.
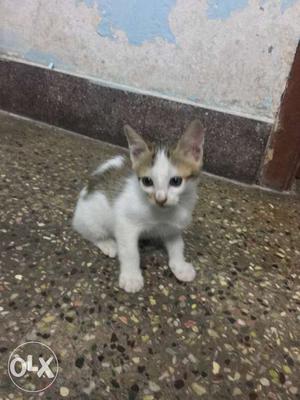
<point x="152" y="194"/>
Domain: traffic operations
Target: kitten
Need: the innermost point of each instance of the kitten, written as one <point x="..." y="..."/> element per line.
<point x="156" y="200"/>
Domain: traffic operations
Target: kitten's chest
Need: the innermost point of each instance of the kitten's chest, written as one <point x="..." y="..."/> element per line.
<point x="166" y="225"/>
<point x="160" y="230"/>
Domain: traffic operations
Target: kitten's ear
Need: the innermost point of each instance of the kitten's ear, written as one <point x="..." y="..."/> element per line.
<point x="137" y="145"/>
<point x="191" y="143"/>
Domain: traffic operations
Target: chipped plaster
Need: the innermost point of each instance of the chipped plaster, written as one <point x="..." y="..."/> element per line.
<point x="212" y="53"/>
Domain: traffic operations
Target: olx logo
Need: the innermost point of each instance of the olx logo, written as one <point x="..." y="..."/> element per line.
<point x="33" y="367"/>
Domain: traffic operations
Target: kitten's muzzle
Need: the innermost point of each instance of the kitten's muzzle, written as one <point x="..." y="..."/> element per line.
<point x="160" y="198"/>
<point x="161" y="203"/>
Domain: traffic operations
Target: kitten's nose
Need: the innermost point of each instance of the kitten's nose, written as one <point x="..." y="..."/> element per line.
<point x="160" y="197"/>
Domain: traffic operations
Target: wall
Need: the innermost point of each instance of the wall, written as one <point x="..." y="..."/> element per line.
<point x="223" y="54"/>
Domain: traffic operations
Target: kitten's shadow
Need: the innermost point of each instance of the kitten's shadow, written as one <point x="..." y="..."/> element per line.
<point x="149" y="246"/>
<point x="154" y="254"/>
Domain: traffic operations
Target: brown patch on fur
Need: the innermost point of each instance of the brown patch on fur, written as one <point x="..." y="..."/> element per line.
<point x="187" y="168"/>
<point x="99" y="181"/>
<point x="151" y="196"/>
<point x="142" y="154"/>
<point x="144" y="162"/>
<point x="188" y="154"/>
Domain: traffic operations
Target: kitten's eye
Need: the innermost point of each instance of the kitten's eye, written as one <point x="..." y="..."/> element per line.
<point x="176" y="181"/>
<point x="147" y="181"/>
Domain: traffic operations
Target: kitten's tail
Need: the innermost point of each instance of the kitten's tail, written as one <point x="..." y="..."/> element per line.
<point x="114" y="163"/>
<point x="96" y="177"/>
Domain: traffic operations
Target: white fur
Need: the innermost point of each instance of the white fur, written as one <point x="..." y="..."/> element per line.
<point x="116" y="162"/>
<point x="161" y="173"/>
<point x="116" y="226"/>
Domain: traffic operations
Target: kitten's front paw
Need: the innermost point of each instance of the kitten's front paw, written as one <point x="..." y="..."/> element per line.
<point x="108" y="247"/>
<point x="184" y="272"/>
<point x="131" y="283"/>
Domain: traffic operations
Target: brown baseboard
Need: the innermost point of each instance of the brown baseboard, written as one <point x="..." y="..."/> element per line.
<point x="234" y="145"/>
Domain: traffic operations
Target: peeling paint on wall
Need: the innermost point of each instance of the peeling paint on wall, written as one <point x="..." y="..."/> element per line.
<point x="88" y="3"/>
<point x="231" y="55"/>
<point x="14" y="43"/>
<point x="10" y="41"/>
<point x="42" y="57"/>
<point x="142" y="21"/>
<point x="269" y="156"/>
<point x="285" y="4"/>
<point x="222" y="9"/>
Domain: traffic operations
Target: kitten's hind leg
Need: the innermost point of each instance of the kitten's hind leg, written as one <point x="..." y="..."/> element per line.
<point x="108" y="247"/>
<point x="93" y="220"/>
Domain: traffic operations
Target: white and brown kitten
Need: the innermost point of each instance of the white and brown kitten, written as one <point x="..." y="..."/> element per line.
<point x="155" y="199"/>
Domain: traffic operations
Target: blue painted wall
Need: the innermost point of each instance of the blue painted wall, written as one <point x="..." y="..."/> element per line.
<point x="142" y="20"/>
<point x="223" y="9"/>
<point x="285" y="4"/>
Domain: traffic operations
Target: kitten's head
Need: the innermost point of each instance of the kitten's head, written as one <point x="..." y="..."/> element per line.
<point x="166" y="174"/>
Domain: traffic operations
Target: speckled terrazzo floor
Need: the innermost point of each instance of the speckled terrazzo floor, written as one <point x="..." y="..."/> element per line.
<point x="231" y="334"/>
